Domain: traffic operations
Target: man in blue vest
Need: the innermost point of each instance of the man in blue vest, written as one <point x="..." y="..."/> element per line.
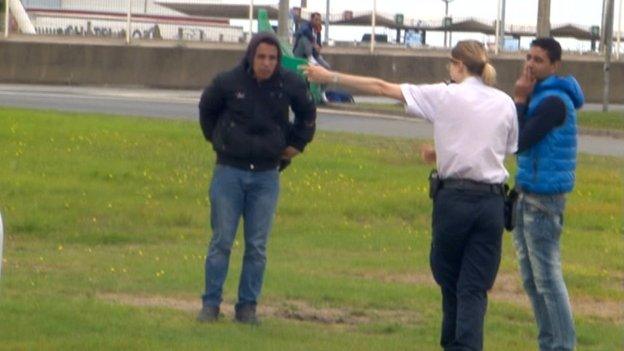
<point x="546" y="105"/>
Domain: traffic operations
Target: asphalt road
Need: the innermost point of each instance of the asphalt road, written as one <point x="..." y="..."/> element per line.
<point x="175" y="104"/>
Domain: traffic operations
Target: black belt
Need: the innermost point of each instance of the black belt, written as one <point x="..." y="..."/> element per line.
<point x="467" y="184"/>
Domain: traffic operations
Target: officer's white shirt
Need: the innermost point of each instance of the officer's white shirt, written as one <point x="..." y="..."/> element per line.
<point x="474" y="127"/>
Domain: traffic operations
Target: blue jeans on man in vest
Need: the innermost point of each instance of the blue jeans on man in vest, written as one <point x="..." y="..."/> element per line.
<point x="235" y="193"/>
<point x="536" y="236"/>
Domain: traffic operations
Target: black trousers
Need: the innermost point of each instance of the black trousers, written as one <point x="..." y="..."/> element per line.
<point x="465" y="256"/>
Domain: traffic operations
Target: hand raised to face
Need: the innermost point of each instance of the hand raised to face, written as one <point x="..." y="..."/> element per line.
<point x="524" y="85"/>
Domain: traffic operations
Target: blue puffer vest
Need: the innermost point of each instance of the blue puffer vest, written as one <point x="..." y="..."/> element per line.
<point x="548" y="167"/>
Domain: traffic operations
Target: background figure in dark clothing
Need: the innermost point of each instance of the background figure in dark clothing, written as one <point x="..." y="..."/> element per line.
<point x="244" y="113"/>
<point x="546" y="106"/>
<point x="308" y="43"/>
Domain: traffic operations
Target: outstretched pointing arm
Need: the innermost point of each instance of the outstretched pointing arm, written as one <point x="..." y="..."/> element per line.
<point x="369" y="85"/>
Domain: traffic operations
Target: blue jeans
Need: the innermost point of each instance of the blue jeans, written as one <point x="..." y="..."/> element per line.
<point x="235" y="193"/>
<point x="536" y="237"/>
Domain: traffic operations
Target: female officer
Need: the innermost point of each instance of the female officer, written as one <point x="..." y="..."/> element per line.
<point x="475" y="126"/>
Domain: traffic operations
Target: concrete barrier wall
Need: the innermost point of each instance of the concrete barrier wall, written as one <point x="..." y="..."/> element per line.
<point x="172" y="67"/>
<point x="423" y="69"/>
<point x="193" y="68"/>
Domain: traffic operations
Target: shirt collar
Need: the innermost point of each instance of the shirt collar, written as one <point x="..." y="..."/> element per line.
<point x="473" y="80"/>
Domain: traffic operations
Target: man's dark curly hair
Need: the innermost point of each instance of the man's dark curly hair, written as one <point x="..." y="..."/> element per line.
<point x="551" y="46"/>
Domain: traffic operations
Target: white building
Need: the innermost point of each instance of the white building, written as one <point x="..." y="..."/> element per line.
<point x="96" y="18"/>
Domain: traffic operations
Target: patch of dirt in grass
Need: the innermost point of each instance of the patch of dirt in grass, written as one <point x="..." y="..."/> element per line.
<point x="508" y="288"/>
<point x="611" y="310"/>
<point x="291" y="309"/>
<point x="408" y="278"/>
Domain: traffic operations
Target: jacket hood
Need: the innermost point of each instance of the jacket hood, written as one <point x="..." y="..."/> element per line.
<point x="567" y="84"/>
<point x="256" y="40"/>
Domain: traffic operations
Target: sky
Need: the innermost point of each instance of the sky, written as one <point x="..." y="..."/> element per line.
<point x="586" y="12"/>
<point x="518" y="12"/>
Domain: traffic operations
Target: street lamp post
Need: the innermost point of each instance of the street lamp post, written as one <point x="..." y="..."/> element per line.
<point x="608" y="45"/>
<point x="497" y="29"/>
<point x="327" y="22"/>
<point x="251" y="7"/>
<point x="373" y="25"/>
<point x="446" y="6"/>
<point x="619" y="33"/>
<point x="282" y="21"/>
<point x="501" y="43"/>
<point x="543" y="19"/>
<point x="7" y="18"/>
<point x="129" y="22"/>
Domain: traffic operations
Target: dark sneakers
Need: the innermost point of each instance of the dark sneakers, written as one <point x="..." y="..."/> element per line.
<point x="246" y="314"/>
<point x="208" y="314"/>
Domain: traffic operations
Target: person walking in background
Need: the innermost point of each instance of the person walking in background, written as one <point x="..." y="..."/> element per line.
<point x="244" y="113"/>
<point x="475" y="127"/>
<point x="546" y="105"/>
<point x="308" y="43"/>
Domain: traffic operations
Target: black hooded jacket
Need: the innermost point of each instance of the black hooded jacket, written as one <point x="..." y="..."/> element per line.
<point x="247" y="121"/>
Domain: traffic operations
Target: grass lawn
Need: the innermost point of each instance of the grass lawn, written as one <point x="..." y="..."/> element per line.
<point x="612" y="120"/>
<point x="587" y="120"/>
<point x="106" y="222"/>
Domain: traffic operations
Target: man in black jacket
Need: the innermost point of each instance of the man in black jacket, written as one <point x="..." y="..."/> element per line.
<point x="244" y="113"/>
